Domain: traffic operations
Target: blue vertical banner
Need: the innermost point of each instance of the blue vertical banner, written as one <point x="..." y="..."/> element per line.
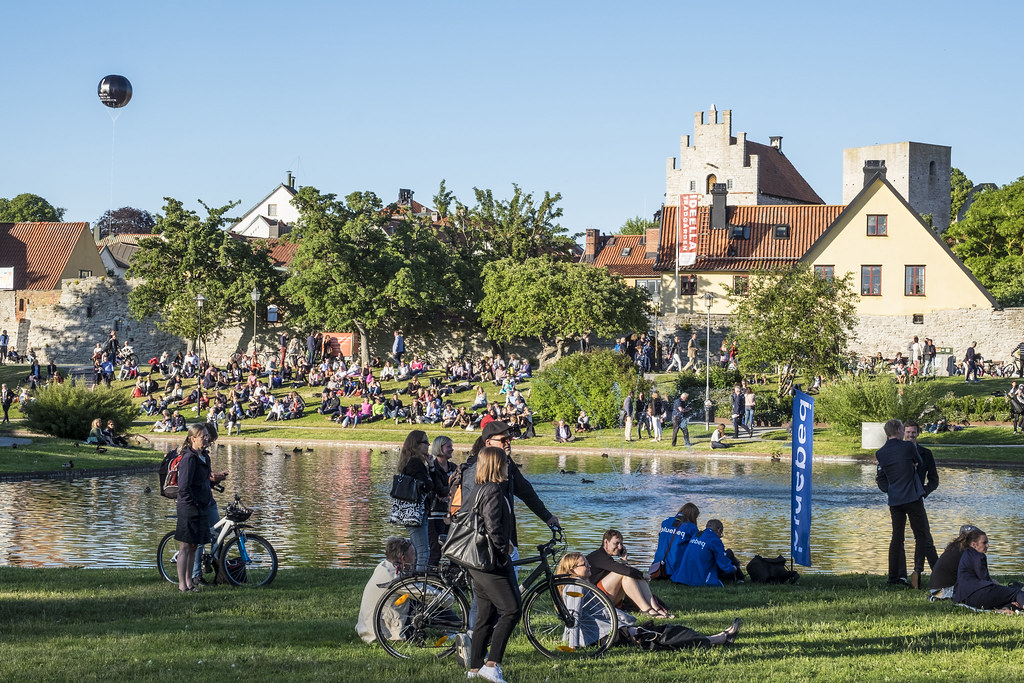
<point x="803" y="450"/>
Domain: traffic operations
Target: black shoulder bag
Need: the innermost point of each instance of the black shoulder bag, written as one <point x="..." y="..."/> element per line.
<point x="657" y="570"/>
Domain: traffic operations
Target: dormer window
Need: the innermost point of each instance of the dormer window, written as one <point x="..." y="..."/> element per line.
<point x="625" y="252"/>
<point x="781" y="232"/>
<point x="739" y="232"/>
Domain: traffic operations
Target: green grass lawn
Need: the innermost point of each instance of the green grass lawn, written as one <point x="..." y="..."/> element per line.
<point x="68" y="624"/>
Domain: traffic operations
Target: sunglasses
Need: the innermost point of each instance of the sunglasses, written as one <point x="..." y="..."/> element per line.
<point x="501" y="439"/>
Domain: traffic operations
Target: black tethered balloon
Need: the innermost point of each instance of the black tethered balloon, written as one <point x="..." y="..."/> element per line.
<point x="115" y="91"/>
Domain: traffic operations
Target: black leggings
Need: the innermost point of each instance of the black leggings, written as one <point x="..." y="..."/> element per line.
<point x="498" y="607"/>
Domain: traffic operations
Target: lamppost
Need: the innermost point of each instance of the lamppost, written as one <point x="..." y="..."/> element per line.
<point x="255" y="296"/>
<point x="199" y="338"/>
<point x="709" y="300"/>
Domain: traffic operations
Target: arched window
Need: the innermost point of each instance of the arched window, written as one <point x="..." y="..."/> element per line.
<point x="712" y="179"/>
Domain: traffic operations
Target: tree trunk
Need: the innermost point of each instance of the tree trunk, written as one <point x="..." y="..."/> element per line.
<point x="364" y="343"/>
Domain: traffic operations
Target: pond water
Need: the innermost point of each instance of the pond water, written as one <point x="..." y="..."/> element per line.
<point x="327" y="508"/>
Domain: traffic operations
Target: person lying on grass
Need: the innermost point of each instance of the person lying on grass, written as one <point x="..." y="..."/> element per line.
<point x="618" y="580"/>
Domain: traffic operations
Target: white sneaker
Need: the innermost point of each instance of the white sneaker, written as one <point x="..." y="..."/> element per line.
<point x="492" y="673"/>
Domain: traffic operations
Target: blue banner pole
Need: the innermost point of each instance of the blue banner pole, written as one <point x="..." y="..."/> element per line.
<point x="803" y="450"/>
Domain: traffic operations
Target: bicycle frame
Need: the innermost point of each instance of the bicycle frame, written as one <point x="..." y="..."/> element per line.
<point x="544" y="570"/>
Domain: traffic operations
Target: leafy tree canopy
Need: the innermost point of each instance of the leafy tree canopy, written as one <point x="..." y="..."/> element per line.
<point x="594" y="382"/>
<point x="194" y="256"/>
<point x="127" y="220"/>
<point x="637" y="226"/>
<point x="990" y="241"/>
<point x="349" y="272"/>
<point x="556" y="302"/>
<point x="795" y="318"/>
<point x="520" y="227"/>
<point x="959" y="189"/>
<point x="27" y="208"/>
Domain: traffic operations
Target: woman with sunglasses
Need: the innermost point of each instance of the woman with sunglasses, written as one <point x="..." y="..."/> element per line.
<point x="414" y="462"/>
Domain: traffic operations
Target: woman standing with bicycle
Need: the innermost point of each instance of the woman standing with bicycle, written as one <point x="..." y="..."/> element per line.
<point x="496" y="593"/>
<point x="194" y="496"/>
<point x="413" y="462"/>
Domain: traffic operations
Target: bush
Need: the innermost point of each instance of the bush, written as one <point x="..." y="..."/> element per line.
<point x="849" y="402"/>
<point x="962" y="409"/>
<point x="693" y="382"/>
<point x="594" y="382"/>
<point x="67" y="411"/>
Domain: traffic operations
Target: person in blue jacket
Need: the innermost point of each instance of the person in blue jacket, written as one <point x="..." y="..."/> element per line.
<point x="706" y="561"/>
<point x="675" y="534"/>
<point x="974" y="586"/>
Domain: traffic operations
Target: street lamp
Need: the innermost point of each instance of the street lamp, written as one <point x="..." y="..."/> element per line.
<point x="255" y="296"/>
<point x="709" y="300"/>
<point x="199" y="338"/>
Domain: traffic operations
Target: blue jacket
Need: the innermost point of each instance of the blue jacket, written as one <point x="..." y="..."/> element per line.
<point x="897" y="461"/>
<point x="673" y="556"/>
<point x="704" y="557"/>
<point x="972" y="575"/>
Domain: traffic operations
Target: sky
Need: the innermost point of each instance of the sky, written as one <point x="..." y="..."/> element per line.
<point x="585" y="99"/>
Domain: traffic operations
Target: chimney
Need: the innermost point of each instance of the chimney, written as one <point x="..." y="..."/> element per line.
<point x="873" y="167"/>
<point x="590" y="245"/>
<point x="291" y="180"/>
<point x="718" y="196"/>
<point x="776" y="142"/>
<point x="651" y="239"/>
<point x="405" y="197"/>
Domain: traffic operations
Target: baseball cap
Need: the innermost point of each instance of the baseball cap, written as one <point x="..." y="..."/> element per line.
<point x="494" y="429"/>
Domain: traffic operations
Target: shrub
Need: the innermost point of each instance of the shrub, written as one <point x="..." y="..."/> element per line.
<point x="594" y="382"/>
<point x="67" y="411"/>
<point x="849" y="402"/>
<point x="962" y="409"/>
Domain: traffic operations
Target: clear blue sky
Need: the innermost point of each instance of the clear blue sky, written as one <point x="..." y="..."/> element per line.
<point x="587" y="99"/>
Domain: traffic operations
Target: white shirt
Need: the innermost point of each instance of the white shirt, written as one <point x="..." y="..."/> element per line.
<point x="384" y="573"/>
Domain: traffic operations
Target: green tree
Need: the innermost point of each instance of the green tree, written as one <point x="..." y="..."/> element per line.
<point x="794" y="318"/>
<point x="959" y="188"/>
<point x="194" y="256"/>
<point x="349" y="272"/>
<point x="520" y="227"/>
<point x="990" y="241"/>
<point x="27" y="208"/>
<point x="637" y="226"/>
<point x="594" y="382"/>
<point x="556" y="302"/>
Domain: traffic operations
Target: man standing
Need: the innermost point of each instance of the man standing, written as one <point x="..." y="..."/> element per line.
<point x="5" y="340"/>
<point x="692" y="347"/>
<point x="398" y="347"/>
<point x="897" y="476"/>
<point x="1019" y="351"/>
<point x="970" y="368"/>
<point x="627" y="415"/>
<point x="311" y="348"/>
<point x="738" y="407"/>
<point x="681" y="418"/>
<point x="6" y="399"/>
<point x="283" y="341"/>
<point x="929" y="358"/>
<point x="675" y="349"/>
<point x="929" y="476"/>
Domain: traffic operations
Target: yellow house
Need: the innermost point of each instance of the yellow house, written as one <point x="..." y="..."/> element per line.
<point x="900" y="266"/>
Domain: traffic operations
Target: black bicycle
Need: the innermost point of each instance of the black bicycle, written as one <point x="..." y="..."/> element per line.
<point x="564" y="617"/>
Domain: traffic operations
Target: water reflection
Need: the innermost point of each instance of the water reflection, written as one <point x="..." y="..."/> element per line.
<point x="326" y="508"/>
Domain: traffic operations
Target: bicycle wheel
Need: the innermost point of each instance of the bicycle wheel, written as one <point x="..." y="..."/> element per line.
<point x="249" y="560"/>
<point x="589" y="625"/>
<point x="167" y="557"/>
<point x="418" y="618"/>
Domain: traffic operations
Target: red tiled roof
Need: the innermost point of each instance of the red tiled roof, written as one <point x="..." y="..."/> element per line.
<point x="777" y="176"/>
<point x="761" y="251"/>
<point x="633" y="264"/>
<point x="39" y="252"/>
<point x="281" y="253"/>
<point x="125" y="238"/>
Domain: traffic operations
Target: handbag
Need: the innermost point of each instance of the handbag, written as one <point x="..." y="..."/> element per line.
<point x="657" y="570"/>
<point x="404" y="487"/>
<point x="468" y="545"/>
<point x="407" y="513"/>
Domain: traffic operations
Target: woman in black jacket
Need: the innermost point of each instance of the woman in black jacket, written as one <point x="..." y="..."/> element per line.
<point x="496" y="593"/>
<point x="194" y="496"/>
<point x="441" y="468"/>
<point x="414" y="463"/>
<point x="974" y="586"/>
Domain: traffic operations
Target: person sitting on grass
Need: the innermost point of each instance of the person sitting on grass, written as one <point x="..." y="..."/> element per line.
<point x="943" y="577"/>
<point x="706" y="562"/>
<point x="96" y="437"/>
<point x="163" y="423"/>
<point x="112" y="437"/>
<point x="673" y="538"/>
<point x="563" y="434"/>
<point x="619" y="581"/>
<point x="975" y="587"/>
<point x="351" y="417"/>
<point x="583" y="422"/>
<point x="717" y="436"/>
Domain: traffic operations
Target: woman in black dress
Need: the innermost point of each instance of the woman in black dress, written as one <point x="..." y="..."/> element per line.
<point x="194" y="496"/>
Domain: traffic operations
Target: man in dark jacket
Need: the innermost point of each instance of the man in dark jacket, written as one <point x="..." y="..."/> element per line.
<point x="681" y="418"/>
<point x="498" y="434"/>
<point x="929" y="475"/>
<point x="970" y="364"/>
<point x="898" y="477"/>
<point x="737" y="409"/>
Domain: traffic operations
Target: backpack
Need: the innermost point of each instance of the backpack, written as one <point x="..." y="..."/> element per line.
<point x="455" y="491"/>
<point x="169" y="474"/>
<point x="770" y="570"/>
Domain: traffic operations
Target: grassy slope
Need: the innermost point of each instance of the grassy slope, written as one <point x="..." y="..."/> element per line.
<point x="66" y="624"/>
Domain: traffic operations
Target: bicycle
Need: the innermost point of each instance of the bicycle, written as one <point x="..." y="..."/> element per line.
<point x="564" y="617"/>
<point x="247" y="559"/>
